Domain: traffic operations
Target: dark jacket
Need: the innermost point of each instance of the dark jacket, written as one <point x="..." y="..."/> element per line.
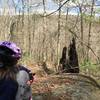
<point x="8" y="89"/>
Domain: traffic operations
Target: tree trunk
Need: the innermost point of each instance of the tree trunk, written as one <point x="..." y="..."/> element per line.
<point x="90" y="25"/>
<point x="73" y="57"/>
<point x="58" y="35"/>
<point x="82" y="37"/>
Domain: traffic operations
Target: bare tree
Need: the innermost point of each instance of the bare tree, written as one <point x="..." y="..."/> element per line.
<point x="59" y="29"/>
<point x="44" y="33"/>
<point x="90" y="26"/>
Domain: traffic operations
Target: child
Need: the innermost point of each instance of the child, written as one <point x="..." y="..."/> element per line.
<point x="9" y="56"/>
<point x="8" y="71"/>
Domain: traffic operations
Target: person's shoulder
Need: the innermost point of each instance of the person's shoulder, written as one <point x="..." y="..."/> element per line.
<point x="22" y="76"/>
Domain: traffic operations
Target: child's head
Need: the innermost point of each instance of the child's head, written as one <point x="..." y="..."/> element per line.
<point x="9" y="54"/>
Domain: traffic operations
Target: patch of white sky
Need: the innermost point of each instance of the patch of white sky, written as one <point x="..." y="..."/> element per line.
<point x="37" y="5"/>
<point x="34" y="5"/>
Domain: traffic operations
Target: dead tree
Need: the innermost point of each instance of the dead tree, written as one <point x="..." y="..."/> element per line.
<point x="73" y="57"/>
<point x="63" y="63"/>
<point x="70" y="64"/>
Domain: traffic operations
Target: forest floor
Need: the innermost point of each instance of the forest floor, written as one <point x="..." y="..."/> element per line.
<point x="64" y="86"/>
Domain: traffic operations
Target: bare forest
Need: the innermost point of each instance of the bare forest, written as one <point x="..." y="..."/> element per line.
<point x="42" y="37"/>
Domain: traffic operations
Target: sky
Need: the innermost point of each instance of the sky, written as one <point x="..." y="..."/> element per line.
<point x="35" y="5"/>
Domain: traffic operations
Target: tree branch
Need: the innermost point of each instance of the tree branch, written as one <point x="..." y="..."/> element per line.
<point x="57" y="9"/>
<point x="98" y="59"/>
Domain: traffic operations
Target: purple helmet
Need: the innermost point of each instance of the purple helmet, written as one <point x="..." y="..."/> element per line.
<point x="13" y="47"/>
